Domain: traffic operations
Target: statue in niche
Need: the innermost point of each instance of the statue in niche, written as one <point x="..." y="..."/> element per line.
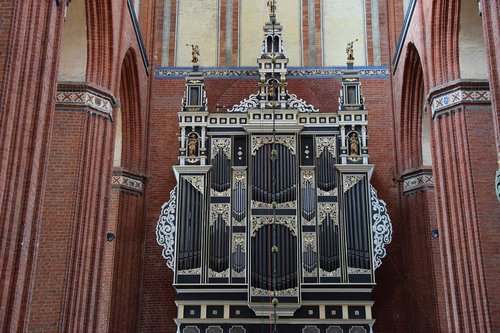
<point x="354" y="141"/>
<point x="350" y="50"/>
<point x="192" y="145"/>
<point x="195" y="53"/>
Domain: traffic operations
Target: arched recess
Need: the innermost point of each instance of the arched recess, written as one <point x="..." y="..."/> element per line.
<point x="73" y="64"/>
<point x="128" y="201"/>
<point x="473" y="62"/>
<point x="418" y="208"/>
<point x="415" y="134"/>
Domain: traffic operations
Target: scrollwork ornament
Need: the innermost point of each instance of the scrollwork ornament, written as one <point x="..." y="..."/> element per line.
<point x="381" y="228"/>
<point x="280" y="293"/>
<point x="498" y="183"/>
<point x="197" y="182"/>
<point x="166" y="229"/>
<point x="251" y="102"/>
<point x="286" y="140"/>
<point x="350" y="181"/>
<point x="325" y="142"/>
<point x="221" y="143"/>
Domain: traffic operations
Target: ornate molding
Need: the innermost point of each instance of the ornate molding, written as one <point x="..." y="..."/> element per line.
<point x="85" y="97"/>
<point x="354" y="270"/>
<point x="381" y="228"/>
<point x="420" y="179"/>
<point x="194" y="271"/>
<point x="215" y="274"/>
<point x="335" y="273"/>
<point x="166" y="229"/>
<point x="325" y="72"/>
<point x="279" y="293"/>
<point x="128" y="181"/>
<point x="297" y="103"/>
<point x="350" y="181"/>
<point x="325" y="142"/>
<point x="328" y="209"/>
<point x="288" y="221"/>
<point x="286" y="140"/>
<point x="443" y="99"/>
<point x="197" y="182"/>
<point x="284" y="205"/>
<point x="217" y="210"/>
<point x="224" y="143"/>
<point x="252" y="102"/>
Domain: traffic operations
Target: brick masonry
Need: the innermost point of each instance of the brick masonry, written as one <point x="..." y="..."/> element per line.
<point x="58" y="203"/>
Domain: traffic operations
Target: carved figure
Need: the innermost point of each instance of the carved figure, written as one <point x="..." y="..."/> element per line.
<point x="192" y="145"/>
<point x="354" y="144"/>
<point x="195" y="52"/>
<point x="272" y="6"/>
<point x="350" y="50"/>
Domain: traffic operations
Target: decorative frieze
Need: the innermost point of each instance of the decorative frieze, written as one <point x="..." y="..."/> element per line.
<point x="286" y="140"/>
<point x="288" y="221"/>
<point x="278" y="293"/>
<point x="366" y="72"/>
<point x="415" y="181"/>
<point x="443" y="99"/>
<point x="86" y="98"/>
<point x="124" y="180"/>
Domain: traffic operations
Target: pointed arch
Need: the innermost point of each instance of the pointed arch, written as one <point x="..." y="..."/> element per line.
<point x="131" y="115"/>
<point x="128" y="219"/>
<point x="413" y="104"/>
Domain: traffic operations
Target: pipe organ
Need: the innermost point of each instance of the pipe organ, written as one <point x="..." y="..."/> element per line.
<point x="273" y="220"/>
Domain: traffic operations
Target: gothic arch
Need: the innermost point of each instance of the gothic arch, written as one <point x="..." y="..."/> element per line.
<point x="128" y="220"/>
<point x="413" y="96"/>
<point x="418" y="208"/>
<point x="131" y="113"/>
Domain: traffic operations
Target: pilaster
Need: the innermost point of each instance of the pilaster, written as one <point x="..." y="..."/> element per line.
<point x="75" y="216"/>
<point x="29" y="42"/>
<point x="463" y="163"/>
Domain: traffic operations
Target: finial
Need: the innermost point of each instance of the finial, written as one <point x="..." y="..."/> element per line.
<point x="195" y="52"/>
<point x="272" y="8"/>
<point x="350" y="50"/>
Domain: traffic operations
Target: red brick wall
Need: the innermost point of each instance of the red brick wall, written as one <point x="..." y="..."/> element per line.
<point x="30" y="36"/>
<point x="463" y="167"/>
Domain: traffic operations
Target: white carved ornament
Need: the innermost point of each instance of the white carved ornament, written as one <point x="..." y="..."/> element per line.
<point x="296" y="103"/>
<point x="381" y="228"/>
<point x="166" y="229"/>
<point x="286" y="140"/>
<point x="250" y="103"/>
